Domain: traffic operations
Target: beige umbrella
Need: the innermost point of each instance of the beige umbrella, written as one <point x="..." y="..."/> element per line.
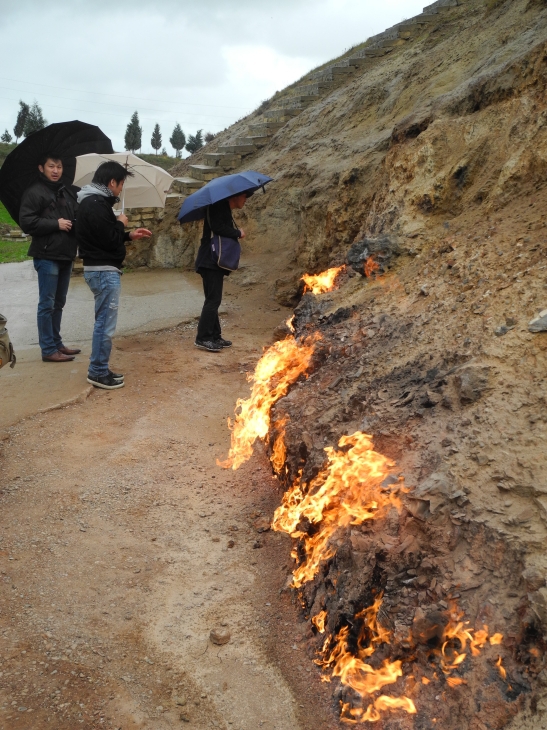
<point x="147" y="188"/>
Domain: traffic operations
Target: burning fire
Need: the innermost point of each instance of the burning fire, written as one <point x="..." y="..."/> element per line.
<point x="290" y="323"/>
<point x="319" y="621"/>
<point x="355" y="672"/>
<point x="278" y="368"/>
<point x="371" y="266"/>
<point x="321" y="283"/>
<point x="346" y="493"/>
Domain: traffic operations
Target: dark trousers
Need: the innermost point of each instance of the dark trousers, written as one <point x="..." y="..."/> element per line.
<point x="209" y="323"/>
<point x="53" y="283"/>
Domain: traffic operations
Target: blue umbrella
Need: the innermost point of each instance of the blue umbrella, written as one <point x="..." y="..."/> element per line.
<point x="193" y="208"/>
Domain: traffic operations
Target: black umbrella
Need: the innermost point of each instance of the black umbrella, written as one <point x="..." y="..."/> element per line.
<point x="65" y="140"/>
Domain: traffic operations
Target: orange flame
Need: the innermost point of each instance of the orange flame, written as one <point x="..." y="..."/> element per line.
<point x="279" y="450"/>
<point x="501" y="669"/>
<point x="346" y="493"/>
<point x="289" y="323"/>
<point x="457" y="630"/>
<point x="278" y="368"/>
<point x="321" y="283"/>
<point x="356" y="673"/>
<point x="371" y="266"/>
<point x="319" y="621"/>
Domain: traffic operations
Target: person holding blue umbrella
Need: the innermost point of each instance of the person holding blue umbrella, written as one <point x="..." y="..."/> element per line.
<point x="218" y="253"/>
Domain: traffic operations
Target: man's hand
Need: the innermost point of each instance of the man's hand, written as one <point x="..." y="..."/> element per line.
<point x="123" y="219"/>
<point x="65" y="225"/>
<point x="140" y="233"/>
<point x="242" y="233"/>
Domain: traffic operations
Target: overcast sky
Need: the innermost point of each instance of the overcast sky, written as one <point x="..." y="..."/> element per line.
<point x="202" y="63"/>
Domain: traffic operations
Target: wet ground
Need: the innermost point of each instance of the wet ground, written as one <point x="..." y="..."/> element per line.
<point x="150" y="300"/>
<point x="123" y="545"/>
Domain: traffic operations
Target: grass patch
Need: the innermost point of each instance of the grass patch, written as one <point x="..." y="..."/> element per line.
<point x="163" y="161"/>
<point x="12" y="252"/>
<point x="5" y="217"/>
<point x="5" y="149"/>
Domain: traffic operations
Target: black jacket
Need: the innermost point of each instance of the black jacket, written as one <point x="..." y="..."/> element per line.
<point x="222" y="224"/>
<point x="43" y="203"/>
<point x="100" y="236"/>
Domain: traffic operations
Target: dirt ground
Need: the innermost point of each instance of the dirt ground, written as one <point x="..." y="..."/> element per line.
<point x="123" y="545"/>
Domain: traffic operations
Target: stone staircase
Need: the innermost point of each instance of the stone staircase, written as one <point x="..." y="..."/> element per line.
<point x="229" y="156"/>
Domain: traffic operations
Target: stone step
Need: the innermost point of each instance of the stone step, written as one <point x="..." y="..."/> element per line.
<point x="265" y="129"/>
<point x="186" y="185"/>
<point x="238" y="148"/>
<point x="427" y="18"/>
<point x="324" y="75"/>
<point x="305" y="99"/>
<point x="205" y="172"/>
<point x="313" y="89"/>
<point x="254" y="140"/>
<point x="225" y="160"/>
<point x="374" y="52"/>
<point x="340" y="68"/>
<point x="281" y="115"/>
<point x="359" y="61"/>
<point x="393" y="43"/>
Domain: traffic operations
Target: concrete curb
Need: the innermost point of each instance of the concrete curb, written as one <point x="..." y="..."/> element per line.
<point x="81" y="398"/>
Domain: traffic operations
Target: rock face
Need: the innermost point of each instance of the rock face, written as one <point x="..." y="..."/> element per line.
<point x="433" y="158"/>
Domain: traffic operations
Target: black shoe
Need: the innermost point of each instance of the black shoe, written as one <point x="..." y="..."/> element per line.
<point x="223" y="343"/>
<point x="116" y="376"/>
<point x="208" y="345"/>
<point x="105" y="381"/>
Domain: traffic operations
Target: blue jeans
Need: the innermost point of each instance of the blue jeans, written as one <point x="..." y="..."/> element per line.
<point x="53" y="281"/>
<point x="105" y="286"/>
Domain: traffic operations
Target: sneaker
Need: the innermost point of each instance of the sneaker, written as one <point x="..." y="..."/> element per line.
<point x="208" y="345"/>
<point x="223" y="343"/>
<point x="108" y="382"/>
<point x="116" y="376"/>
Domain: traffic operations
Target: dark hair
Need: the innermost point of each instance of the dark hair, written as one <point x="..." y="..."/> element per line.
<point x="49" y="156"/>
<point x="111" y="170"/>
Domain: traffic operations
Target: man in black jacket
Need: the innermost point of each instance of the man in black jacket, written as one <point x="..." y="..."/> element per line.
<point x="218" y="220"/>
<point x="48" y="209"/>
<point x="101" y="240"/>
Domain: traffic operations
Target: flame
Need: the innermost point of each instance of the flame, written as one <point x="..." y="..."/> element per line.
<point x="279" y="450"/>
<point x="501" y="669"/>
<point x="356" y="673"/>
<point x="290" y="324"/>
<point x="319" y="621"/>
<point x="347" y="492"/>
<point x="371" y="266"/>
<point x="458" y="631"/>
<point x="278" y="368"/>
<point x="321" y="283"/>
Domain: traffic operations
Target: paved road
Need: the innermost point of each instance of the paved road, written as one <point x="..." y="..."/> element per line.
<point x="150" y="301"/>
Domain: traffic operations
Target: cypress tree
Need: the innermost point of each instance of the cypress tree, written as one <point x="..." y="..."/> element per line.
<point x="35" y="120"/>
<point x="195" y="142"/>
<point x="156" y="138"/>
<point x="6" y="137"/>
<point x="20" y="122"/>
<point x="178" y="139"/>
<point x="133" y="134"/>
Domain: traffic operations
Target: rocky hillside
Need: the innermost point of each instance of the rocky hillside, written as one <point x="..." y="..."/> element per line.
<point x="432" y="159"/>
